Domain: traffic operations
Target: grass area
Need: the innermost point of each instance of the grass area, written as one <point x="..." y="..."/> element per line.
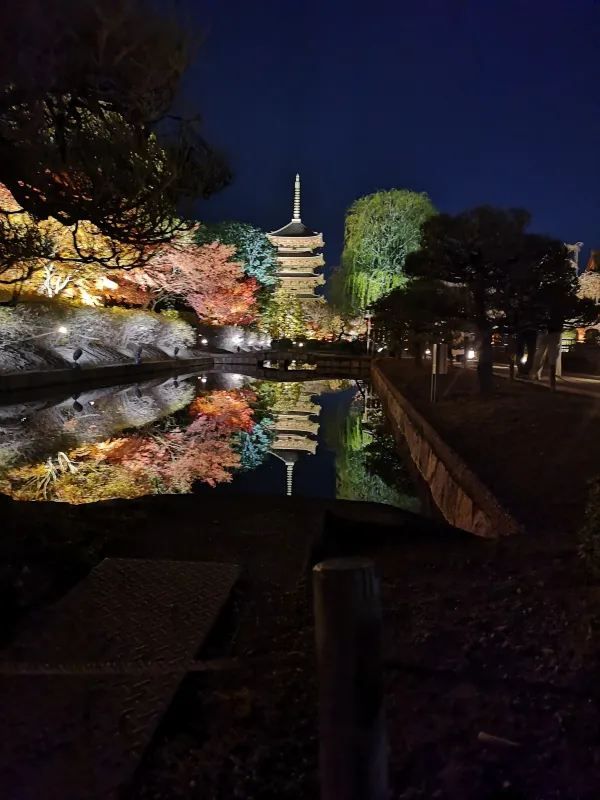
<point x="534" y="449"/>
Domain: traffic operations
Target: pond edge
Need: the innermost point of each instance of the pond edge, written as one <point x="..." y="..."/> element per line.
<point x="462" y="498"/>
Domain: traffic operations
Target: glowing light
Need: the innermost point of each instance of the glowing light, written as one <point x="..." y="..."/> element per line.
<point x="380" y="349"/>
<point x="62" y="329"/>
<point x="428" y="352"/>
<point x="470" y="353"/>
<point x="203" y="379"/>
<point x="524" y="359"/>
<point x="300" y="344"/>
<point x="204" y="341"/>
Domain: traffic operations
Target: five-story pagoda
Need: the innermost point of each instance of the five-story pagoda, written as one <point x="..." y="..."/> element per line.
<point x="298" y="254"/>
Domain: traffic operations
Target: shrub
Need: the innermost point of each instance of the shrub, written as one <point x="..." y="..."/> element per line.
<point x="589" y="535"/>
<point x="54" y="325"/>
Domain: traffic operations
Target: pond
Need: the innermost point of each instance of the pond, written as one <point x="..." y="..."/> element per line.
<point x="204" y="432"/>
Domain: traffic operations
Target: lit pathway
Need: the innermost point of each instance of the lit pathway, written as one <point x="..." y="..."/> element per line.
<point x="588" y="385"/>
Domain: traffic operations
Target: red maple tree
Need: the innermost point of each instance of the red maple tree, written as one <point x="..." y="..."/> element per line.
<point x="203" y="276"/>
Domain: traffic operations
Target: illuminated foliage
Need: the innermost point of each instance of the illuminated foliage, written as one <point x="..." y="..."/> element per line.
<point x="79" y="477"/>
<point x="285" y="316"/>
<point x="167" y="456"/>
<point x="323" y="321"/>
<point x="173" y="461"/>
<point x="364" y="462"/>
<point x="31" y="329"/>
<point x="204" y="277"/>
<point x="381" y="230"/>
<point x="228" y="410"/>
<point x="589" y="286"/>
<point x="252" y="249"/>
<point x="253" y="446"/>
<point x="53" y="259"/>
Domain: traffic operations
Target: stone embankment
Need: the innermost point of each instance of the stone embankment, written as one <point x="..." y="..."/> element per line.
<point x="104" y="374"/>
<point x="459" y="494"/>
<point x="130" y="371"/>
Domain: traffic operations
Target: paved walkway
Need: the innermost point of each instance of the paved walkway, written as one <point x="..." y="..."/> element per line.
<point x="587" y="385"/>
<point x="83" y="688"/>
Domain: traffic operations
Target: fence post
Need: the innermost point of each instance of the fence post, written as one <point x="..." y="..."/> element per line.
<point x="348" y="628"/>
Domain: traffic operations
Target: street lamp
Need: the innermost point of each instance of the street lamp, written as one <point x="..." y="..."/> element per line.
<point x="368" y="318"/>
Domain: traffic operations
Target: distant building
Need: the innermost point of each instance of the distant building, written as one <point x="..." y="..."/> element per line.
<point x="299" y="254"/>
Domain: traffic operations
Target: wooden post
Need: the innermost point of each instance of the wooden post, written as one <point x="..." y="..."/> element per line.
<point x="353" y="747"/>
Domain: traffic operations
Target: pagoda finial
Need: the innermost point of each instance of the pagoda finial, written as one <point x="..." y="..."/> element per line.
<point x="296" y="217"/>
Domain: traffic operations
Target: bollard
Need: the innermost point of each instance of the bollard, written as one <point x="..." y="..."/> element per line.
<point x="348" y="629"/>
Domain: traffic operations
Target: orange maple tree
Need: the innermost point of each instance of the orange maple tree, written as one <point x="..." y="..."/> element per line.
<point x="228" y="410"/>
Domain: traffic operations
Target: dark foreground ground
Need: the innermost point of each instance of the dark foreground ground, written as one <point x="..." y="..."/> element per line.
<point x="495" y="637"/>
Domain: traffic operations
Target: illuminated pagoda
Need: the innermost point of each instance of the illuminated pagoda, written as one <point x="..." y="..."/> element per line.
<point x="299" y="256"/>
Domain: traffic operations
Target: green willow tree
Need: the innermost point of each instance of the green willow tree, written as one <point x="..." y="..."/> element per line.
<point x="381" y="230"/>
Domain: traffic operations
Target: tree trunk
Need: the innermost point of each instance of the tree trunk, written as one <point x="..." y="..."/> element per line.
<point x="485" y="365"/>
<point x="512" y="356"/>
<point x="531" y="341"/>
<point x="554" y="345"/>
<point x="417" y="352"/>
<point x="526" y="341"/>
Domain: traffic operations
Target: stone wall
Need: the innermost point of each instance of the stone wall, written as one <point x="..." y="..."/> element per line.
<point x="458" y="493"/>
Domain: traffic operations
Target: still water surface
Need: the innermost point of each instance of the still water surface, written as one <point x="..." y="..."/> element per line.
<point x="203" y="432"/>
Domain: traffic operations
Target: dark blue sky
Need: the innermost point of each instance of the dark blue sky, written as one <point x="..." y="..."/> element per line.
<point x="472" y="101"/>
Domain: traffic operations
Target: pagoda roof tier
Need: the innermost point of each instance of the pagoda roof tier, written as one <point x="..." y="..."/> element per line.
<point x="298" y="267"/>
<point x="301" y="280"/>
<point x="291" y="441"/>
<point x="311" y="242"/>
<point x="296" y="255"/>
<point x="303" y="277"/>
<point x="294" y="230"/>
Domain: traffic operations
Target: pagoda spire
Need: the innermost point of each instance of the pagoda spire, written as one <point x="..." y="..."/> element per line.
<point x="296" y="216"/>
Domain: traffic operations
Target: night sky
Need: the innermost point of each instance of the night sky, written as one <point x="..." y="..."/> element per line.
<point x="472" y="101"/>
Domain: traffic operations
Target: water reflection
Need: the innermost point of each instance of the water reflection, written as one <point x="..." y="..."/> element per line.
<point x="217" y="430"/>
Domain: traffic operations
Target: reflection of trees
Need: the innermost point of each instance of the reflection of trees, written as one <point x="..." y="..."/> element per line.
<point x="253" y="446"/>
<point x="30" y="432"/>
<point x="168" y="456"/>
<point x="368" y="467"/>
<point x="79" y="477"/>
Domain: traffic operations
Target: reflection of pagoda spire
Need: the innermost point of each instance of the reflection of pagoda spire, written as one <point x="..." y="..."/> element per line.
<point x="296" y="427"/>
